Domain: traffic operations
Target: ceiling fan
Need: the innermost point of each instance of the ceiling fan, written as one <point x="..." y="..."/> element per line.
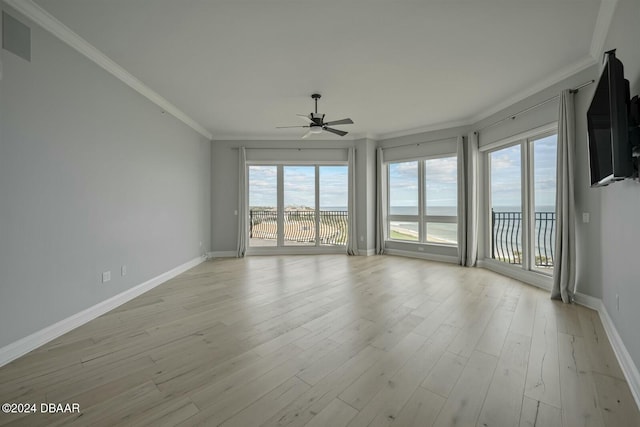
<point x="316" y="123"/>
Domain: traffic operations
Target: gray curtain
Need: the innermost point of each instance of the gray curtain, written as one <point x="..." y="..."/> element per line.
<point x="381" y="202"/>
<point x="564" y="269"/>
<point x="352" y="237"/>
<point x="471" y="201"/>
<point x="242" y="202"/>
<point x="462" y="211"/>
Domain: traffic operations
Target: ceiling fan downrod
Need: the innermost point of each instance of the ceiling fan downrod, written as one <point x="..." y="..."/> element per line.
<point x="315" y="97"/>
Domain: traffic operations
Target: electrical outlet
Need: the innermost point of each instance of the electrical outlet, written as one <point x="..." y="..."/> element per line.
<point x="585" y="217"/>
<point x="123" y="270"/>
<point x="106" y="276"/>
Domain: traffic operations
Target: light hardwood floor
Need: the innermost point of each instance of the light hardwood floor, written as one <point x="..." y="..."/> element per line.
<point x="333" y="341"/>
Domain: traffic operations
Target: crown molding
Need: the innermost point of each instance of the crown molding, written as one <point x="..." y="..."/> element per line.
<point x="48" y="22"/>
<point x="553" y="79"/>
<point x="249" y="137"/>
<point x="423" y="129"/>
<point x="601" y="28"/>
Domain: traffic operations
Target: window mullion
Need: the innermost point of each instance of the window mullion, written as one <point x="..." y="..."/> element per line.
<point x="280" y="210"/>
<point x="317" y="213"/>
<point x="526" y="205"/>
<point x="421" y="202"/>
<point x="531" y="262"/>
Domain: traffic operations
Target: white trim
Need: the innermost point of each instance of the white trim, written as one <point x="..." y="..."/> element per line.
<point x="221" y="254"/>
<point x="297" y="250"/>
<point x="536" y="133"/>
<point x="428" y="256"/>
<point x="601" y="28"/>
<point x="297" y="162"/>
<point x="351" y="136"/>
<point x="25" y="345"/>
<point x="423" y="129"/>
<point x="629" y="369"/>
<point x="366" y="252"/>
<point x="587" y="301"/>
<point x="555" y="78"/>
<point x="538" y="280"/>
<point x="48" y="22"/>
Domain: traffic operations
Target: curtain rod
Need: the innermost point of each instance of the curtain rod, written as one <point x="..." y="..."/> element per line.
<point x="291" y="148"/>
<point x="540" y="104"/>
<point x="417" y="144"/>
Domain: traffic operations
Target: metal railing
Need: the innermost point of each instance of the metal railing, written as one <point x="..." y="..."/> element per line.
<point x="300" y="226"/>
<point x="507" y="237"/>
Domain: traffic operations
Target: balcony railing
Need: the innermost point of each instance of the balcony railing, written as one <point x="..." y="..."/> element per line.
<point x="507" y="237"/>
<point x="300" y="226"/>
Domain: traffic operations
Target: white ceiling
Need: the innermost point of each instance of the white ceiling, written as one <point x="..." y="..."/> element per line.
<point x="242" y="67"/>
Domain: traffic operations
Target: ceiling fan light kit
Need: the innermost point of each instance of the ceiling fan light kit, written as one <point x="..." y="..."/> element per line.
<point x="316" y="123"/>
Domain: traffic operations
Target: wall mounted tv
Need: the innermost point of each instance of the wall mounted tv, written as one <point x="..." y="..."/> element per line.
<point x="608" y="126"/>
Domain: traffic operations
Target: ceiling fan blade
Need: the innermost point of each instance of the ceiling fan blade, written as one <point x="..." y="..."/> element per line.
<point x="306" y="135"/>
<point x="305" y="118"/>
<point x="285" y="127"/>
<point x="340" y="122"/>
<point x="336" y="131"/>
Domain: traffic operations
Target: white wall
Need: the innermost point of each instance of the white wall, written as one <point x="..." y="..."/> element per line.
<point x="92" y="176"/>
<point x="620" y="202"/>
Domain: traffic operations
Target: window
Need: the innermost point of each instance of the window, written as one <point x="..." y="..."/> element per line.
<point x="506" y="204"/>
<point x="263" y="205"/>
<point x="298" y="205"/>
<point x="403" y="201"/>
<point x="522" y="180"/>
<point x="423" y="201"/>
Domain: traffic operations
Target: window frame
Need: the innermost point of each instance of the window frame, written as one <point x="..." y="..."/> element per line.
<point x="526" y="142"/>
<point x="421" y="218"/>
<point x="280" y="242"/>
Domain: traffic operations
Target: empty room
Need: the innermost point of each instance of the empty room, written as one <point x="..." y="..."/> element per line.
<point x="302" y="213"/>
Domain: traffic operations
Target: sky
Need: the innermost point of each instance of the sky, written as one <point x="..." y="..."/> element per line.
<point x="299" y="186"/>
<point x="440" y="188"/>
<point x="441" y="184"/>
<point x="506" y="175"/>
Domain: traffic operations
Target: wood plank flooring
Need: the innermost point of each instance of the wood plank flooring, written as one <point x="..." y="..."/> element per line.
<point x="333" y="341"/>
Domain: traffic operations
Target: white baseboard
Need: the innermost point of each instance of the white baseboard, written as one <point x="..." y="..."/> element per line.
<point x="629" y="369"/>
<point x="222" y="254"/>
<point x="588" y="301"/>
<point x="297" y="250"/>
<point x="427" y="256"/>
<point x="366" y="252"/>
<point x="534" y="279"/>
<point x="25" y="345"/>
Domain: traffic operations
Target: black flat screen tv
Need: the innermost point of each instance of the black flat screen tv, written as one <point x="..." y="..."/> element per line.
<point x="607" y="122"/>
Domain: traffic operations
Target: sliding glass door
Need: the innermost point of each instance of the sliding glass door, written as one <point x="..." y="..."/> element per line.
<point x="543" y="160"/>
<point x="506" y="204"/>
<point x="521" y="200"/>
<point x="298" y="205"/>
<point x="333" y="184"/>
<point x="263" y="206"/>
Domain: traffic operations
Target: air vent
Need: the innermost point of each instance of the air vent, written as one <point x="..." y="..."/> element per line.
<point x="16" y="37"/>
